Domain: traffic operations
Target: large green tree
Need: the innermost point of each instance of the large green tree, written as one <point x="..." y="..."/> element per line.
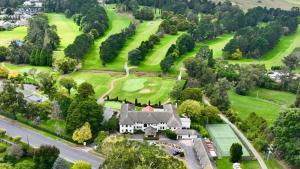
<point x="45" y="156"/>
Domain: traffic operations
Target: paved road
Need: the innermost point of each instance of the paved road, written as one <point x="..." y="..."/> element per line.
<point x="66" y="151"/>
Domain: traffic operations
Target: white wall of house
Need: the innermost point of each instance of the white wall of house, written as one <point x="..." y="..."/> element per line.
<point x="140" y="126"/>
<point x="126" y="128"/>
<point x="186" y="123"/>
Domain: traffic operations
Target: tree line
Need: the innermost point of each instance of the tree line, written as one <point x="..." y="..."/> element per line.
<point x="111" y="47"/>
<point x="184" y="44"/>
<point x="38" y="46"/>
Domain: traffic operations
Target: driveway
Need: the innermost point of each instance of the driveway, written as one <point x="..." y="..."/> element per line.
<point x="67" y="152"/>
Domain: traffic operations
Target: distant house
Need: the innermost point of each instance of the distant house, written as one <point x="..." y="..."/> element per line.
<point x="150" y="121"/>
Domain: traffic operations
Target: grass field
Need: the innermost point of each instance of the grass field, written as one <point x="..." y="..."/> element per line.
<point x="67" y="30"/>
<point x="264" y="102"/>
<point x="224" y="163"/>
<point x="100" y="81"/>
<point x="26" y="68"/>
<point x="117" y="22"/>
<point x="273" y="58"/>
<point x="16" y="34"/>
<point x="144" y="89"/>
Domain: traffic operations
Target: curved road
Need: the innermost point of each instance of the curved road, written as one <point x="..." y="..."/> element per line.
<point x="67" y="152"/>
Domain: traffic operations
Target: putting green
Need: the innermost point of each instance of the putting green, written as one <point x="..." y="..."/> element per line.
<point x="16" y="34"/>
<point x="133" y="85"/>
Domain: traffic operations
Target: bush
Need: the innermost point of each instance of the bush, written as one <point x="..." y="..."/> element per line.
<point x="17" y="139"/>
<point x="25" y="164"/>
<point x="14" y="153"/>
<point x="170" y="134"/>
<point x="2" y="132"/>
<point x="2" y="149"/>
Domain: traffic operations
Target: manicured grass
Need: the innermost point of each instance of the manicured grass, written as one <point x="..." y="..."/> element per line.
<point x="114" y="105"/>
<point x="67" y="30"/>
<point x="158" y="53"/>
<point x="26" y="68"/>
<point x="224" y="163"/>
<point x="216" y="45"/>
<point x="117" y="22"/>
<point x="100" y="81"/>
<point x="154" y="89"/>
<point x="264" y="102"/>
<point x="16" y="34"/>
<point x="273" y="58"/>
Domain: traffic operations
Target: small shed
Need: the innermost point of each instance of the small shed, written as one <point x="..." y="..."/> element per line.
<point x="150" y="132"/>
<point x="186" y="134"/>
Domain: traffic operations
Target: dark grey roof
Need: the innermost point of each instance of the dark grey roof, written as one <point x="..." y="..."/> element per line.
<point x="168" y="115"/>
<point x="150" y="131"/>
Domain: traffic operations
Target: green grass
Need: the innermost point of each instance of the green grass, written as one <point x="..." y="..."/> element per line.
<point x="274" y="57"/>
<point x="117" y="22"/>
<point x="67" y="30"/>
<point x="224" y="163"/>
<point x="114" y="105"/>
<point x="26" y="68"/>
<point x="154" y="89"/>
<point x="100" y="81"/>
<point x="268" y="103"/>
<point x="158" y="53"/>
<point x="16" y="34"/>
<point x="273" y="164"/>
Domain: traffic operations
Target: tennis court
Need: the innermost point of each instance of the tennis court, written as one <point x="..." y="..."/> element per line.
<point x="223" y="136"/>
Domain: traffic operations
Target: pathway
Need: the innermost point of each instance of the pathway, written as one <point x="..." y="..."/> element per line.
<point x="242" y="137"/>
<point x="67" y="152"/>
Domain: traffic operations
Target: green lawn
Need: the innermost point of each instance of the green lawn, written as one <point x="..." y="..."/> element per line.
<point x="100" y="81"/>
<point x="117" y="22"/>
<point x="16" y="34"/>
<point x="224" y="163"/>
<point x="26" y="68"/>
<point x="264" y="102"/>
<point x="144" y="89"/>
<point x="273" y="58"/>
<point x="158" y="53"/>
<point x="67" y="30"/>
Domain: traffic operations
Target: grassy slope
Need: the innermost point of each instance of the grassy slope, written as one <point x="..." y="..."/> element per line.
<point x="100" y="81"/>
<point x="273" y="58"/>
<point x="224" y="163"/>
<point x="67" y="30"/>
<point x="268" y="104"/>
<point x="153" y="88"/>
<point x="117" y="22"/>
<point x="16" y="34"/>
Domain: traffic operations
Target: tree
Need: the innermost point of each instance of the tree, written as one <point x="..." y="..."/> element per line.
<point x="170" y="134"/>
<point x="81" y="165"/>
<point x="45" y="156"/>
<point x="24" y="164"/>
<point x="218" y="94"/>
<point x="60" y="163"/>
<point x="237" y="55"/>
<point x="67" y="83"/>
<point x="135" y="57"/>
<point x="6" y="166"/>
<point x="176" y="92"/>
<point x="190" y="108"/>
<point x="166" y="64"/>
<point x="211" y="114"/>
<point x="145" y="13"/>
<point x="85" y="90"/>
<point x="111" y="125"/>
<point x="12" y="101"/>
<point x="185" y="43"/>
<point x="66" y="65"/>
<point x="4" y="52"/>
<point x="84" y="110"/>
<point x="297" y="101"/>
<point x="292" y="60"/>
<point x="14" y="153"/>
<point x="236" y="152"/>
<point x="191" y="94"/>
<point x="80" y="46"/>
<point x="47" y="84"/>
<point x="286" y="131"/>
<point x="82" y="134"/>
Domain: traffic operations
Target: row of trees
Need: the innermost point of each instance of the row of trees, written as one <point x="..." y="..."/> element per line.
<point x="172" y="23"/>
<point x="38" y="47"/>
<point x="144" y="13"/>
<point x="136" y="56"/>
<point x="111" y="47"/>
<point x="80" y="46"/>
<point x="184" y="43"/>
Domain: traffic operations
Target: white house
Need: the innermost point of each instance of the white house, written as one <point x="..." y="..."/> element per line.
<point x="151" y="120"/>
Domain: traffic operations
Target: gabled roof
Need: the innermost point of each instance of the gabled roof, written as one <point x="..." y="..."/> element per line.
<point x="168" y="115"/>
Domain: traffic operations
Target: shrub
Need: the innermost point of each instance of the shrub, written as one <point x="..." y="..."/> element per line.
<point x="45" y="156"/>
<point x="60" y="164"/>
<point x="170" y="134"/>
<point x="14" y="153"/>
<point x="2" y="132"/>
<point x="25" y="164"/>
<point x="17" y="139"/>
<point x="81" y="165"/>
<point x="2" y="149"/>
<point x="236" y="152"/>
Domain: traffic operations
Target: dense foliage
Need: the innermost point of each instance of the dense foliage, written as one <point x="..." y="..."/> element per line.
<point x="111" y="47"/>
<point x="144" y="13"/>
<point x="80" y="46"/>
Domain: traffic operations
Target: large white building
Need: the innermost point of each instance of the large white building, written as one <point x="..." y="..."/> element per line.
<point x="151" y="121"/>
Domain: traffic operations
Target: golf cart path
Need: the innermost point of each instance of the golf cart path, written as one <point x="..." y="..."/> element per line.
<point x="113" y="82"/>
<point x="68" y="152"/>
<point x="242" y="137"/>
